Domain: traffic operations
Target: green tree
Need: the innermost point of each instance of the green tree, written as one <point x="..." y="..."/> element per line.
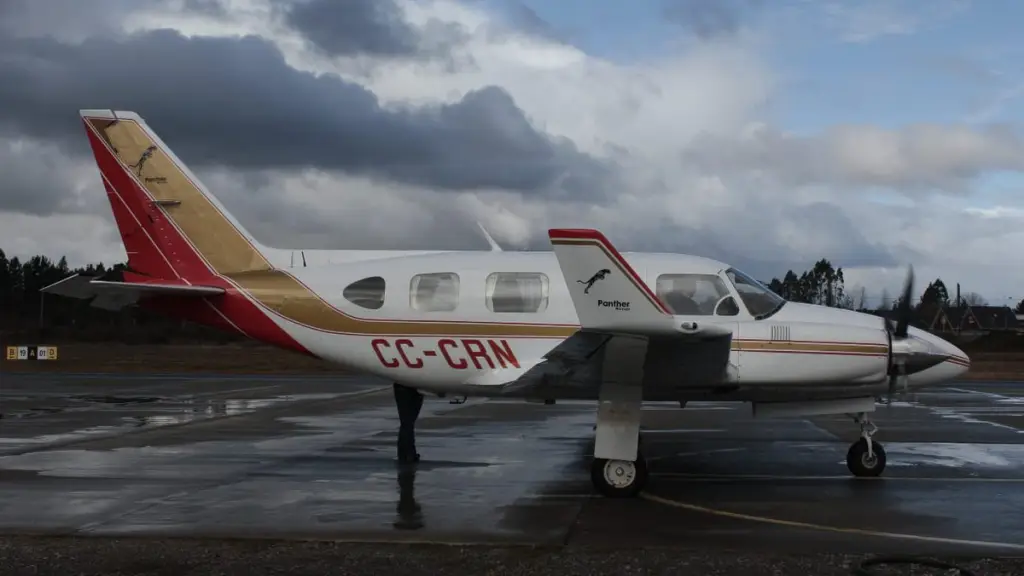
<point x="935" y="294"/>
<point x="27" y="314"/>
<point x="822" y="284"/>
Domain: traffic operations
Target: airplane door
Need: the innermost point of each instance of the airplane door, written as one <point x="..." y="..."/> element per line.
<point x="702" y="299"/>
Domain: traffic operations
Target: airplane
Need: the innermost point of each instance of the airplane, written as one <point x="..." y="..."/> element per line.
<point x="581" y="322"/>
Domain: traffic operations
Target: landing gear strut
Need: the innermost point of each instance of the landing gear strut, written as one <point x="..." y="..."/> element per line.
<point x="409" y="401"/>
<point x="866" y="457"/>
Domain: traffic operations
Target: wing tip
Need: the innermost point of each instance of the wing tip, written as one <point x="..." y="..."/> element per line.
<point x="108" y="114"/>
<point x="578" y="234"/>
<point x="575" y="235"/>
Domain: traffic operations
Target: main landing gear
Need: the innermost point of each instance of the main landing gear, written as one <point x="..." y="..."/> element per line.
<point x="619" y="469"/>
<point x="409" y="401"/>
<point x="866" y="457"/>
<point x="619" y="478"/>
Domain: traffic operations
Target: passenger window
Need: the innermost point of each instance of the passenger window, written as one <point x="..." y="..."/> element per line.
<point x="517" y="292"/>
<point x="367" y="293"/>
<point x="694" y="294"/>
<point x="437" y="292"/>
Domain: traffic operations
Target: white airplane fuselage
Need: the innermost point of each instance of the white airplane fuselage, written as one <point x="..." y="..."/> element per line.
<point x="802" y="351"/>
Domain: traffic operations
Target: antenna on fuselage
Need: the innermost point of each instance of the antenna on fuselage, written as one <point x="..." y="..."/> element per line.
<point x="303" y="253"/>
<point x="494" y="245"/>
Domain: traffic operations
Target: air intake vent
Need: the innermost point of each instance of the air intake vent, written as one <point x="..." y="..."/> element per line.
<point x="780" y="333"/>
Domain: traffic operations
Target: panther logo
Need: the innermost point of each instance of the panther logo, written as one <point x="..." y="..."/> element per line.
<point x="590" y="283"/>
<point x="142" y="160"/>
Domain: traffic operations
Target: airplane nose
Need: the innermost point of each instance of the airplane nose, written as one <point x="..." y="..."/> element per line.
<point x="956" y="364"/>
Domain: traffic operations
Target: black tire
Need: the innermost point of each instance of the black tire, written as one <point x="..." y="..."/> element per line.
<point x="858" y="462"/>
<point x="614" y="469"/>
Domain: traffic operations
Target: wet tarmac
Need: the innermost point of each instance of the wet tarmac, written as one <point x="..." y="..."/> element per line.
<point x="313" y="458"/>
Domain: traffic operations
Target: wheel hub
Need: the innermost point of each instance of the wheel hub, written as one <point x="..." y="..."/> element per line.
<point x="619" y="473"/>
<point x="869" y="460"/>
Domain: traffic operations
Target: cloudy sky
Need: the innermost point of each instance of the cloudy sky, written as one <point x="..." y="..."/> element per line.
<point x="766" y="133"/>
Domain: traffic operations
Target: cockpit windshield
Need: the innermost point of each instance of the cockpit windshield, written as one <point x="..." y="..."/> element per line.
<point x="759" y="300"/>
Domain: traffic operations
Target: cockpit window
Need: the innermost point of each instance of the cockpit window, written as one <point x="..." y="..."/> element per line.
<point x="695" y="295"/>
<point x="759" y="300"/>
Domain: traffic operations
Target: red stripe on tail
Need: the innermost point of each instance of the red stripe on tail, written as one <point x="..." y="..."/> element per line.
<point x="157" y="251"/>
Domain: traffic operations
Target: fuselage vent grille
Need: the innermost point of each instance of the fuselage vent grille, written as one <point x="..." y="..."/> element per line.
<point x="780" y="333"/>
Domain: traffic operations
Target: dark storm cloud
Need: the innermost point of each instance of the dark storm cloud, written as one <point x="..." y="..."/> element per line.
<point x="33" y="182"/>
<point x="236" y="102"/>
<point x="366" y="27"/>
<point x="708" y="18"/>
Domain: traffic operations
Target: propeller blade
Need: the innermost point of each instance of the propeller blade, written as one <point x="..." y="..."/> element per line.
<point x="904" y="311"/>
<point x="899" y="329"/>
<point x="896" y="372"/>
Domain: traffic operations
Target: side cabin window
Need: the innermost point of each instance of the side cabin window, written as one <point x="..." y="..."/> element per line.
<point x="696" y="295"/>
<point x="366" y="293"/>
<point x="436" y="292"/>
<point x="523" y="292"/>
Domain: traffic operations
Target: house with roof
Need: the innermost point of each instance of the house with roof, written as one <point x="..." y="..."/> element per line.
<point x="918" y="319"/>
<point x="959" y="319"/>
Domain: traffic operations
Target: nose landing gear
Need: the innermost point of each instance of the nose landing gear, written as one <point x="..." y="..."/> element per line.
<point x="866" y="457"/>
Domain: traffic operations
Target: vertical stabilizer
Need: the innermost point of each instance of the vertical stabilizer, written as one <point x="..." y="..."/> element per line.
<point x="171" y="226"/>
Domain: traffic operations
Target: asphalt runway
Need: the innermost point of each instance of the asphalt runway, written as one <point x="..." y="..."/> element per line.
<point x="314" y="458"/>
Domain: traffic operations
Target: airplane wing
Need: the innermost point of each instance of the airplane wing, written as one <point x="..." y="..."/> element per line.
<point x="112" y="295"/>
<point x="626" y="332"/>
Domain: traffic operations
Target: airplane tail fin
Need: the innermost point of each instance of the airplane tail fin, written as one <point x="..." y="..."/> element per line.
<point x="171" y="226"/>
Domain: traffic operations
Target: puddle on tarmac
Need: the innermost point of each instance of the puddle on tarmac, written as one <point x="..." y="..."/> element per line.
<point x="161" y="412"/>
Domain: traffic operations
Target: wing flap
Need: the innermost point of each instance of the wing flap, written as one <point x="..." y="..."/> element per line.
<point x="578" y="366"/>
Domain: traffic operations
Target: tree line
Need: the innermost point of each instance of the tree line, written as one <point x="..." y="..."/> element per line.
<point x="25" y="312"/>
<point x="28" y="315"/>
<point x="824" y="284"/>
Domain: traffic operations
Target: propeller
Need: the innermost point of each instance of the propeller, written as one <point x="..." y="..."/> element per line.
<point x="897" y="331"/>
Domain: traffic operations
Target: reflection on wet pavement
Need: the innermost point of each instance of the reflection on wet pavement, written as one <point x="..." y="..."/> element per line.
<point x="36" y="414"/>
<point x="315" y="459"/>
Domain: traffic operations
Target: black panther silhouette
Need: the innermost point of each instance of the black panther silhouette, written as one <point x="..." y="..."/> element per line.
<point x="590" y="283"/>
<point x="142" y="160"/>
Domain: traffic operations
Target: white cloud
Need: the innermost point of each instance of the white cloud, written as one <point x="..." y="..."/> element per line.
<point x="705" y="168"/>
<point x="82" y="238"/>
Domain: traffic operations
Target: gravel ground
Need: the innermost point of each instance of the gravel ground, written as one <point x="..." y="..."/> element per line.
<point x="153" y="557"/>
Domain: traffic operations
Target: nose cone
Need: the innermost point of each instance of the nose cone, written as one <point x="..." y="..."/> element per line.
<point x="955" y="366"/>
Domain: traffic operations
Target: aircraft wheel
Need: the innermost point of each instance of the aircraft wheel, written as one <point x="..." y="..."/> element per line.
<point x="619" y="478"/>
<point x="862" y="465"/>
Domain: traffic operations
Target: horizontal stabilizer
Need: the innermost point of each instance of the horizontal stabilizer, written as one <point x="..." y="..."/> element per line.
<point x="114" y="295"/>
<point x="609" y="296"/>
